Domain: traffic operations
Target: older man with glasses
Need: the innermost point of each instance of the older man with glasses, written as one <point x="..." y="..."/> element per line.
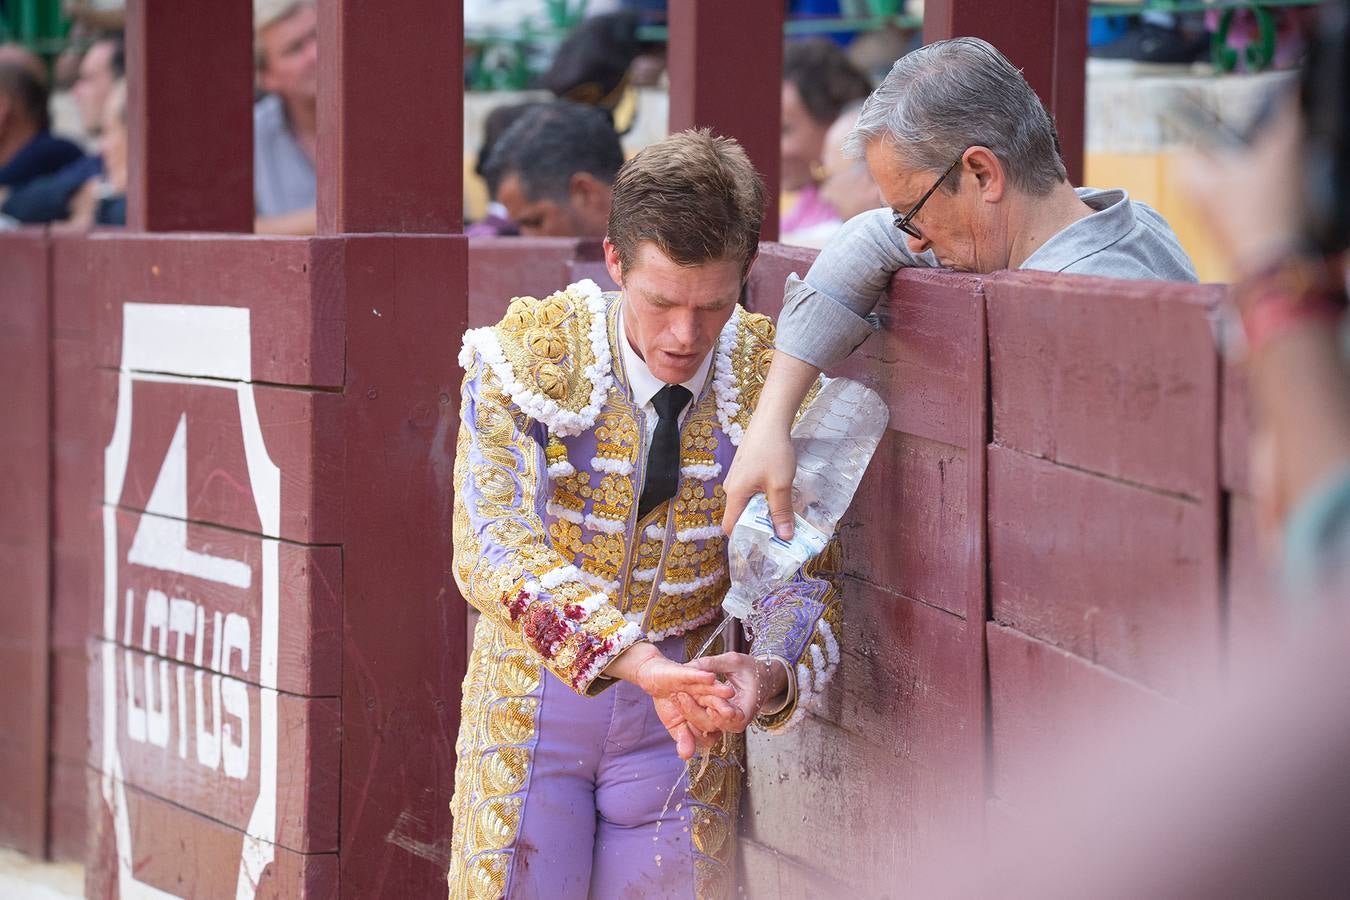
<point x="966" y="157"/>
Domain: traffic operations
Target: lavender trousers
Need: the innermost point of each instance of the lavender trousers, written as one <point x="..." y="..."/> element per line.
<point x="606" y="809"/>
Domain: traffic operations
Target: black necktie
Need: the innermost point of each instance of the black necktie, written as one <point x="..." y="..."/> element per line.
<point x="663" y="458"/>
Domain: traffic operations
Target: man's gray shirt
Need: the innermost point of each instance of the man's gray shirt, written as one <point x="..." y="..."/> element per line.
<point x="283" y="176"/>
<point x="827" y="315"/>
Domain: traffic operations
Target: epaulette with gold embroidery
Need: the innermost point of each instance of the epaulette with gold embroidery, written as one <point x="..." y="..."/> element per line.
<point x="551" y="356"/>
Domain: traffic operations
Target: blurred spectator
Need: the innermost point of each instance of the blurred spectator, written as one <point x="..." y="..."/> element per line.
<point x="554" y="169"/>
<point x="51" y="198"/>
<point x="592" y="66"/>
<point x="97" y="15"/>
<point x="497" y="222"/>
<point x="28" y="150"/>
<point x="818" y="82"/>
<point x="846" y="185"/>
<point x="102" y="200"/>
<point x="102" y="65"/>
<point x="285" y="122"/>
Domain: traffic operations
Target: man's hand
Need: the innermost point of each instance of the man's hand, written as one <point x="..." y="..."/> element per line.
<point x="765" y="462"/>
<point x="690" y="725"/>
<point x="757" y="683"/>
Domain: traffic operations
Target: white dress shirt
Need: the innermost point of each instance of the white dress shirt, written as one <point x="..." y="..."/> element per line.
<point x="644" y="384"/>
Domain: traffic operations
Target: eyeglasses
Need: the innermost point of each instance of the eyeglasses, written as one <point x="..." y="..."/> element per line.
<point x="902" y="220"/>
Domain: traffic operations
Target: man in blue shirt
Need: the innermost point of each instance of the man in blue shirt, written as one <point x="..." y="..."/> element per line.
<point x="28" y="150"/>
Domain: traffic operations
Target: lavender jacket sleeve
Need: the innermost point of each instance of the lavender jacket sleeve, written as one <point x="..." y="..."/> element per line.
<point x="504" y="563"/>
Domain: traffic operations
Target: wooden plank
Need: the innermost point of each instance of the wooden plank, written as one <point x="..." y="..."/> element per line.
<point x="925" y="360"/>
<point x="892" y="762"/>
<point x="768" y="275"/>
<point x="1235" y="429"/>
<point x="296" y="328"/>
<point x="74" y="311"/>
<point x="767" y="873"/>
<point x="69" y="821"/>
<point x="1257" y="620"/>
<point x="501" y="268"/>
<point x="75" y="613"/>
<point x="25" y="533"/>
<point x="1045" y="40"/>
<point x="175" y="740"/>
<point x="180" y="128"/>
<point x="390" y="123"/>
<point x="309" y="616"/>
<point x="1043" y="699"/>
<point x="188" y="855"/>
<point x="70" y="706"/>
<point x="1119" y="575"/>
<point x="403" y="621"/>
<point x="1111" y="376"/>
<point x="706" y="54"/>
<point x="297" y="429"/>
<point x="907" y="528"/>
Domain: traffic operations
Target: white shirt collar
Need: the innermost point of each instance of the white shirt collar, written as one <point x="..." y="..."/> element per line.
<point x="643" y="383"/>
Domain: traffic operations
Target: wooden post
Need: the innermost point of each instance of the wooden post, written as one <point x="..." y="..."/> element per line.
<point x="391" y="100"/>
<point x="726" y="73"/>
<point x="189" y="116"/>
<point x="1047" y="39"/>
<point x="25" y="540"/>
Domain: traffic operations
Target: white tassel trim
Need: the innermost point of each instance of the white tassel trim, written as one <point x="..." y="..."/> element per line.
<point x="613" y="466"/>
<point x="604" y="526"/>
<point x="702" y="533"/>
<point x="655" y="532"/>
<point x="701" y="471"/>
<point x="727" y="392"/>
<point x="644" y="574"/>
<point x="563" y="422"/>
<point x="592" y="603"/>
<point x="557" y="577"/>
<point x="562" y="512"/>
<point x="600" y="584"/>
<point x="688" y="587"/>
<point x="561" y="469"/>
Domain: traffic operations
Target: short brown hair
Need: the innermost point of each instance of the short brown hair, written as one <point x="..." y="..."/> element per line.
<point x="693" y="195"/>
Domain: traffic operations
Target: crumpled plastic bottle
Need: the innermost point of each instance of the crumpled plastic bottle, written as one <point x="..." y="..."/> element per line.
<point x="835" y="439"/>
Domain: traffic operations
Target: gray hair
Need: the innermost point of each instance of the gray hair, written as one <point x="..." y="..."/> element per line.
<point x="948" y="96"/>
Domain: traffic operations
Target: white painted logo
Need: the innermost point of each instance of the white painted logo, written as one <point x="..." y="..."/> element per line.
<point x="206" y="348"/>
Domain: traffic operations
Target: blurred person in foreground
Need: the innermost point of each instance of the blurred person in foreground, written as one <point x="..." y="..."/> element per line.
<point x="285" y="120"/>
<point x="28" y="149"/>
<point x="596" y="430"/>
<point x="554" y="170"/>
<point x="818" y="83"/>
<point x="1281" y="210"/>
<point x="966" y="157"/>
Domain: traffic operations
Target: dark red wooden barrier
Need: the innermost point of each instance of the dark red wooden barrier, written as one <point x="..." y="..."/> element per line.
<point x="25" y="548"/>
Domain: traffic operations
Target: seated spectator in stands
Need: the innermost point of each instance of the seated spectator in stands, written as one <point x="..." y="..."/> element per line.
<point x="818" y="82"/>
<point x="497" y="222"/>
<point x="554" y="170"/>
<point x="845" y="185"/>
<point x="28" y="149"/>
<point x="50" y="198"/>
<point x="102" y="200"/>
<point x="285" y="122"/>
<point x="101" y="67"/>
<point x="968" y="160"/>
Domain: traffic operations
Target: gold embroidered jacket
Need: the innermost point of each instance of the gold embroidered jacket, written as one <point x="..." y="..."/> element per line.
<point x="549" y="465"/>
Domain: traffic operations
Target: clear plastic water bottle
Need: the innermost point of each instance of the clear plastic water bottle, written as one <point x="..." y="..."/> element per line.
<point x="834" y="440"/>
